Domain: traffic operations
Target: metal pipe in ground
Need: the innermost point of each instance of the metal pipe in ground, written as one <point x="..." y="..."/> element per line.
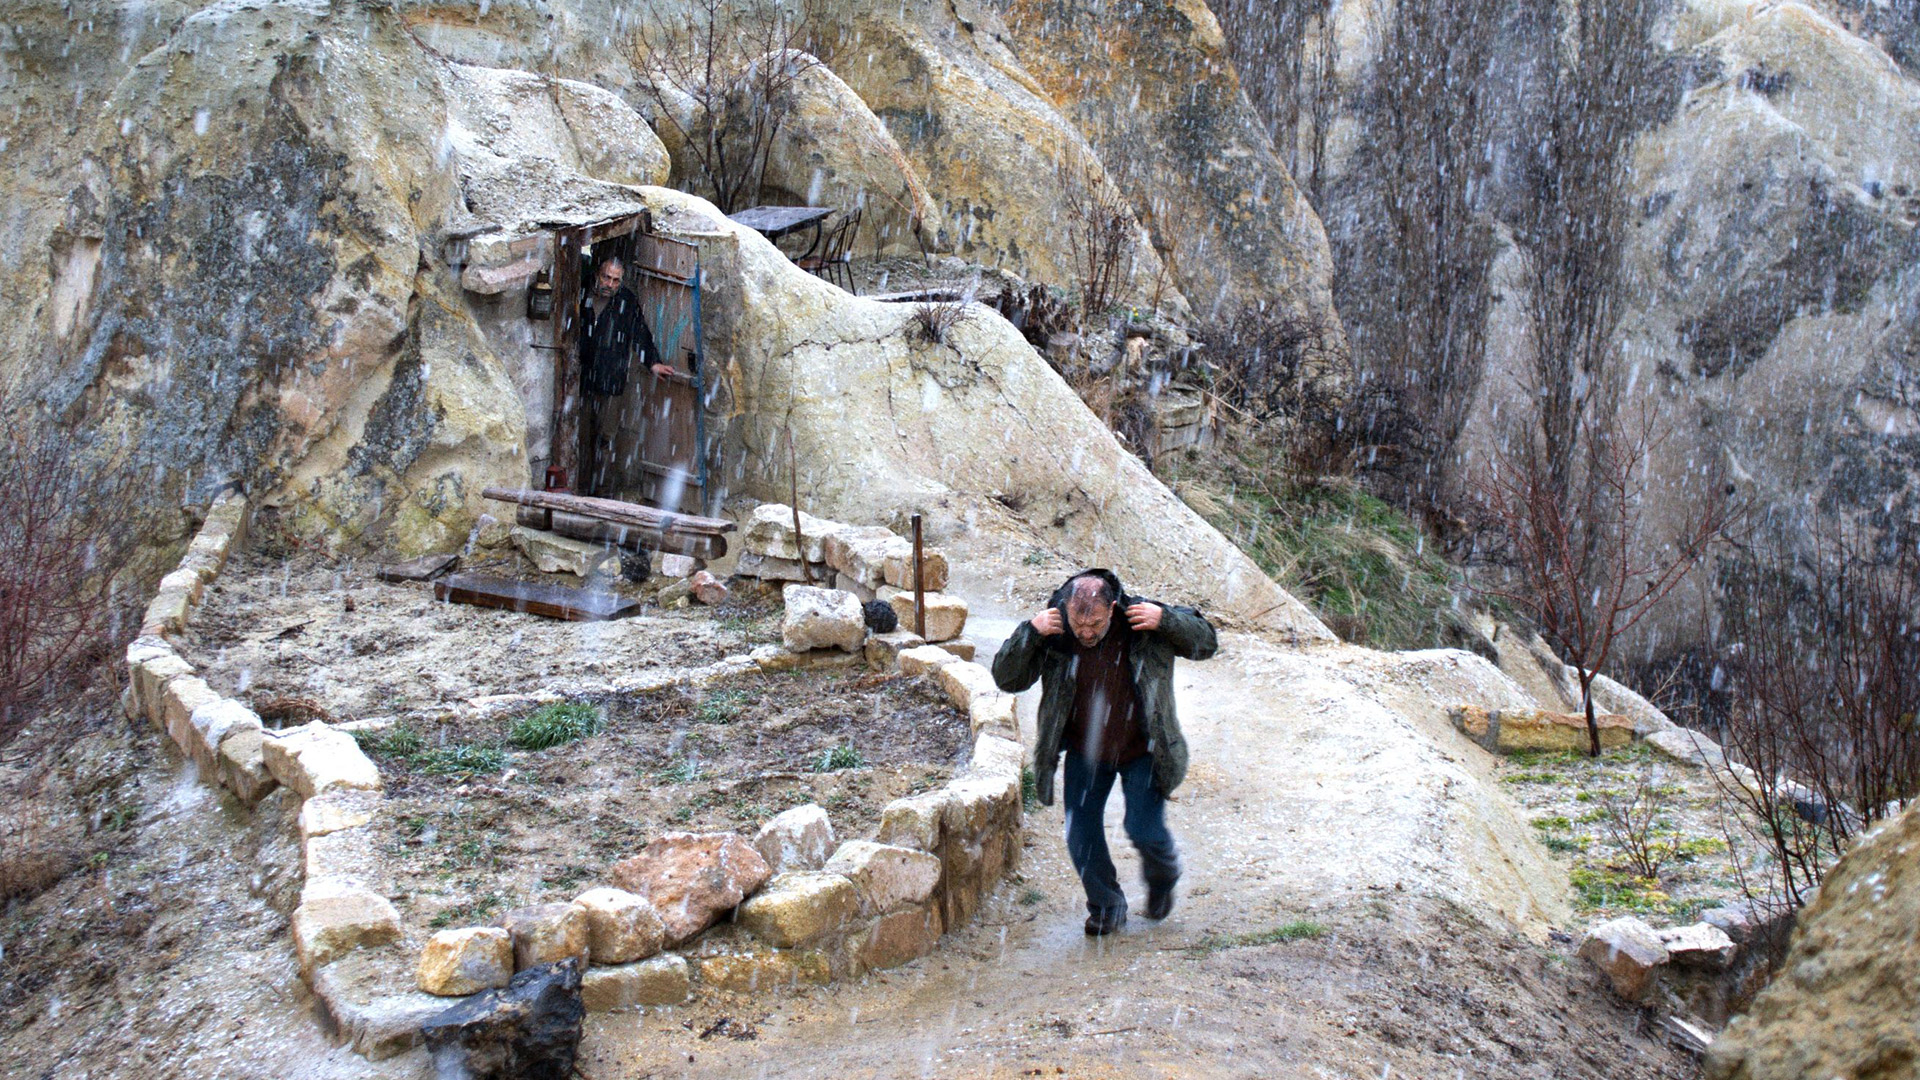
<point x="919" y="585"/>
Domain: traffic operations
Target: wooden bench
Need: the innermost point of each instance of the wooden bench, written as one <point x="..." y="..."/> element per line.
<point x="625" y="524"/>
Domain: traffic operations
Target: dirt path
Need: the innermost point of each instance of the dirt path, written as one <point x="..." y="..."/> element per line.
<point x="1310" y="800"/>
<point x="1326" y="790"/>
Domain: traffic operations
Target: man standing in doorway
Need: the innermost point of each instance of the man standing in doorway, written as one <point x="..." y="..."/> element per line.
<point x="611" y="329"/>
<point x="1105" y="664"/>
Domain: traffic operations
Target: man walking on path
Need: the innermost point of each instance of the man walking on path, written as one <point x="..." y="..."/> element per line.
<point x="1104" y="661"/>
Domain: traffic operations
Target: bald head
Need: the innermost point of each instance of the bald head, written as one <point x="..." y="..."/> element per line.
<point x="1090" y="608"/>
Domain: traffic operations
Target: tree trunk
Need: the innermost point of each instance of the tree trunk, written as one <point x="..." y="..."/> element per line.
<point x="1593" y="720"/>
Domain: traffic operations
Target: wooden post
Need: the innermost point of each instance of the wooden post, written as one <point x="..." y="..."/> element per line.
<point x="919" y="585"/>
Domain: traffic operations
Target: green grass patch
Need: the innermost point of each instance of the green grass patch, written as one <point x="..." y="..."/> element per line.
<point x="844" y="756"/>
<point x="1030" y="896"/>
<point x="1694" y="847"/>
<point x="1029" y="790"/>
<point x="1297" y="930"/>
<point x="1533" y="778"/>
<point x="461" y="758"/>
<point x="556" y="725"/>
<point x="398" y="741"/>
<point x="1364" y="567"/>
<point x="1567" y="845"/>
<point x="1597" y="887"/>
<point x="1552" y="824"/>
<point x="722" y="706"/>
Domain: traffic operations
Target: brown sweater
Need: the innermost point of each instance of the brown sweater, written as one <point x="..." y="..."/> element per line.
<point x="1105" y="723"/>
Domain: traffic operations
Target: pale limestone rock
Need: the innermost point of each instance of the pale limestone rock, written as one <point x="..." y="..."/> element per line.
<point x="915" y="821"/>
<point x="833" y="151"/>
<point x="663" y="980"/>
<point x="1627" y="951"/>
<point x="316" y="758"/>
<point x="861" y="553"/>
<point x="883" y="650"/>
<point x="546" y="933"/>
<point x="243" y="765"/>
<point x="887" y="877"/>
<point x="796" y="908"/>
<point x="621" y="927"/>
<point x="613" y="142"/>
<point x="692" y="878"/>
<point x="995" y="755"/>
<point x="335" y="918"/>
<point x="1844" y="1000"/>
<point x="167" y="612"/>
<point x="965" y="682"/>
<point x="769" y="533"/>
<point x="770" y="569"/>
<point x="800" y="838"/>
<point x="975" y="803"/>
<point x="924" y="659"/>
<point x="455" y="963"/>
<point x="345" y="855"/>
<point x="210" y="725"/>
<point x="762" y="970"/>
<point x="556" y="554"/>
<point x="821" y="619"/>
<point x="150" y="677"/>
<point x="357" y="995"/>
<point x="905" y="935"/>
<point x="946" y="614"/>
<point x="961" y="649"/>
<point x="1699" y="945"/>
<point x="897" y="569"/>
<point x="336" y="810"/>
<point x="845" y="583"/>
<point x="994" y="712"/>
<point x="490" y="532"/>
<point x="180" y="698"/>
<point x="1504" y="731"/>
<point x="679" y="566"/>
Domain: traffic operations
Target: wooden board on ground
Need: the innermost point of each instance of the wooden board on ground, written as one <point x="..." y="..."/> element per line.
<point x="620" y="513"/>
<point x="534" y="598"/>
<point x="630" y="537"/>
<point x="424" y="568"/>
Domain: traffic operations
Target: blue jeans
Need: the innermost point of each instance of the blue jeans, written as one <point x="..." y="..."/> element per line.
<point x="1088" y="783"/>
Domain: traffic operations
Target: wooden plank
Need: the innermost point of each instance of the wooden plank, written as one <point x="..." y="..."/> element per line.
<point x="534" y="598"/>
<point x="424" y="568"/>
<point x="620" y="513"/>
<point x="631" y="537"/>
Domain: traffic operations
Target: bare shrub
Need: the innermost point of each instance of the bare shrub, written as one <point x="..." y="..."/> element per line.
<point x="720" y="74"/>
<point x="64" y="531"/>
<point x="1265" y="365"/>
<point x="1630" y="819"/>
<point x="1287" y="54"/>
<point x="1103" y="239"/>
<point x="936" y="318"/>
<point x="1575" y="563"/>
<point x="1825" y="671"/>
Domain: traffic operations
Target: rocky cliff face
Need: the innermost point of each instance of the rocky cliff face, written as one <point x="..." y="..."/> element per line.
<point x="285" y="246"/>
<point x="1772" y="309"/>
<point x="1844" y="1001"/>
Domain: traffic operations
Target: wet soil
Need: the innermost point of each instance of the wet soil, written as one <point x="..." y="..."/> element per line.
<point x="306" y="638"/>
<point x="474" y="826"/>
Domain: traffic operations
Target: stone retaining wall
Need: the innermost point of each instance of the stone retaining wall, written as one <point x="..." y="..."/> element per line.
<point x="810" y="912"/>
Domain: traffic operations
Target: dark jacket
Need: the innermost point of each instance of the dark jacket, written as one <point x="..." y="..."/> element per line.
<point x="1027" y="657"/>
<point x="608" y="341"/>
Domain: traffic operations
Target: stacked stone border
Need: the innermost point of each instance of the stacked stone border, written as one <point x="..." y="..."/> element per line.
<point x="808" y="918"/>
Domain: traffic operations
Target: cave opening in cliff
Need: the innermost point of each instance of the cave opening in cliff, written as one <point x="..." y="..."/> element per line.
<point x="644" y="442"/>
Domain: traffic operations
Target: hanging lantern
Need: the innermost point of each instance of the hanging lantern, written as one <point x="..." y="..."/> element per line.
<point x="540" y="296"/>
